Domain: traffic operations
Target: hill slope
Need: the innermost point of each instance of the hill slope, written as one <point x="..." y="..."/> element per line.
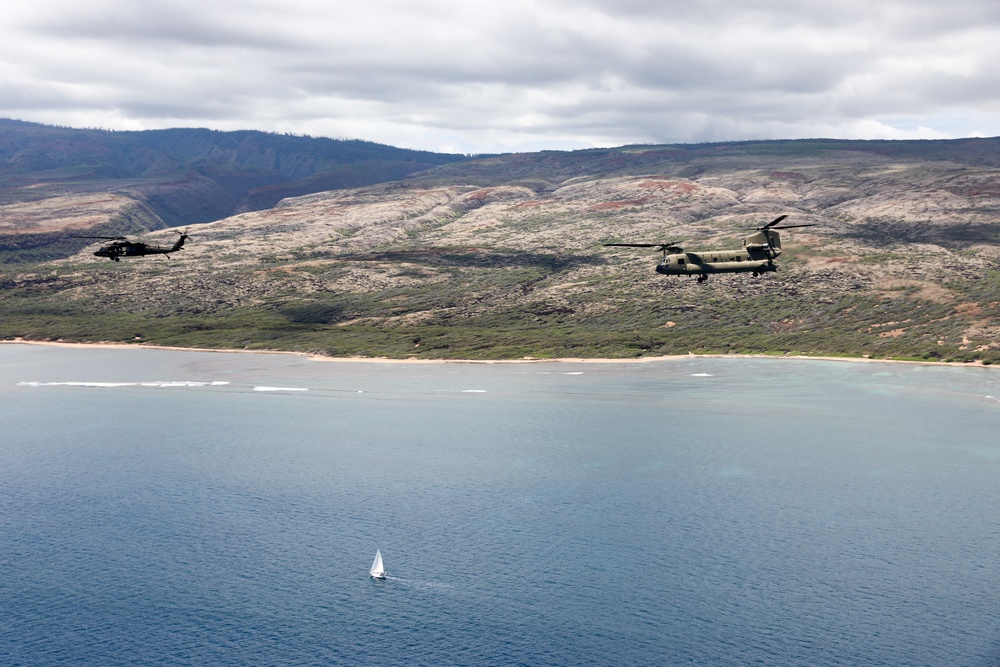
<point x="167" y="178"/>
<point x="503" y="258"/>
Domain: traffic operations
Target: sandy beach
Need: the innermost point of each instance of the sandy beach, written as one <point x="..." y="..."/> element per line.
<point x="525" y="360"/>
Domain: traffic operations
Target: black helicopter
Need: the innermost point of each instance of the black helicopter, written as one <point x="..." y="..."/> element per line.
<point x="122" y="247"/>
<point x="757" y="255"/>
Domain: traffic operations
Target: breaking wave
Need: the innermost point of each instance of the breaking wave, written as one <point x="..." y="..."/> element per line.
<point x="123" y="384"/>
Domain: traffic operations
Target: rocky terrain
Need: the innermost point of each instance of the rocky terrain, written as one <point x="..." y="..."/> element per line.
<point x="503" y="257"/>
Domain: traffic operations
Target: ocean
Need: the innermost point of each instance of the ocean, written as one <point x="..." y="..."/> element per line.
<point x="163" y="507"/>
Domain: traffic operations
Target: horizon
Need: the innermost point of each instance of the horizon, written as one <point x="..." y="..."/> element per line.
<point x="476" y="155"/>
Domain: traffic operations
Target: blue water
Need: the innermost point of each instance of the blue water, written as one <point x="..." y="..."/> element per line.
<point x="186" y="508"/>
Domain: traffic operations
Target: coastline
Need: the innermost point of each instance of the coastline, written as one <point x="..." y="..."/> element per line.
<point x="525" y="360"/>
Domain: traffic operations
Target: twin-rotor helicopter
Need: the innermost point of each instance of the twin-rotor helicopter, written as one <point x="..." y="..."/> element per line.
<point x="757" y="255"/>
<point x="122" y="247"/>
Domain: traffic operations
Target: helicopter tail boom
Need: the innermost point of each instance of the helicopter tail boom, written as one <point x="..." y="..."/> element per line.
<point x="179" y="244"/>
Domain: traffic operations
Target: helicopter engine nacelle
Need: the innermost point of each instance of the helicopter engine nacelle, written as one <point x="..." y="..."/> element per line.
<point x="765" y="240"/>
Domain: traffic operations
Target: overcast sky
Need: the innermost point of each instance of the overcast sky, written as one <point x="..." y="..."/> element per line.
<point x="475" y="76"/>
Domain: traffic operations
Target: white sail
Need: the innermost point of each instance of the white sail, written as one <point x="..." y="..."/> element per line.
<point x="377" y="571"/>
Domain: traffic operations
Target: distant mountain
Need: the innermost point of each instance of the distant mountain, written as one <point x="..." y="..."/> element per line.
<point x="695" y="160"/>
<point x="179" y="177"/>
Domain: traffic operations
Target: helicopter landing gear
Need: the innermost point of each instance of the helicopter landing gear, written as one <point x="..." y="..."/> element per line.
<point x="703" y="277"/>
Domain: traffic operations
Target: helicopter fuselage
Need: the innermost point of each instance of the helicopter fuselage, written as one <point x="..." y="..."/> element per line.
<point x="136" y="249"/>
<point x="717" y="261"/>
<point x="116" y="250"/>
<point x="756" y="256"/>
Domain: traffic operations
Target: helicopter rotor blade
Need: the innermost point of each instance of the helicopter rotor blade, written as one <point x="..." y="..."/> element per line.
<point x="658" y="246"/>
<point x="811" y="224"/>
<point x="106" y="238"/>
<point x="772" y="223"/>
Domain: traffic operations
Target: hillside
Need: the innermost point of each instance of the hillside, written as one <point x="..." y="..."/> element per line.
<point x="132" y="182"/>
<point x="503" y="258"/>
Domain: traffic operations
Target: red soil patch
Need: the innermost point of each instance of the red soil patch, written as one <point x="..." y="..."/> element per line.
<point x="611" y="205"/>
<point x="681" y="186"/>
<point x="480" y="194"/>
<point x="969" y="309"/>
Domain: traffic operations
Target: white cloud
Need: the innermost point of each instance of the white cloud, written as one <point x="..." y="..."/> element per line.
<point x="481" y="76"/>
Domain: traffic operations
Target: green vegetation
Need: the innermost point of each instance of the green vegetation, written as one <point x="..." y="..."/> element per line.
<point x="501" y="307"/>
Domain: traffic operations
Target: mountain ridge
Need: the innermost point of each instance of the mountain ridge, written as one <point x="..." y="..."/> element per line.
<point x="178" y="177"/>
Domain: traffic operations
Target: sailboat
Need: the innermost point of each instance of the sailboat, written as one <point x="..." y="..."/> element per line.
<point x="378" y="570"/>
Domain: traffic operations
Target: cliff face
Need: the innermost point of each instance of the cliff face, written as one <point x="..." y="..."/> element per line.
<point x="503" y="257"/>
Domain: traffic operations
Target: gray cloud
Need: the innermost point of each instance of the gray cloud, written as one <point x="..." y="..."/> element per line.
<point x="480" y="76"/>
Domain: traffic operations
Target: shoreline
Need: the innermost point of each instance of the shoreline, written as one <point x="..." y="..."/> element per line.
<point x="525" y="360"/>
